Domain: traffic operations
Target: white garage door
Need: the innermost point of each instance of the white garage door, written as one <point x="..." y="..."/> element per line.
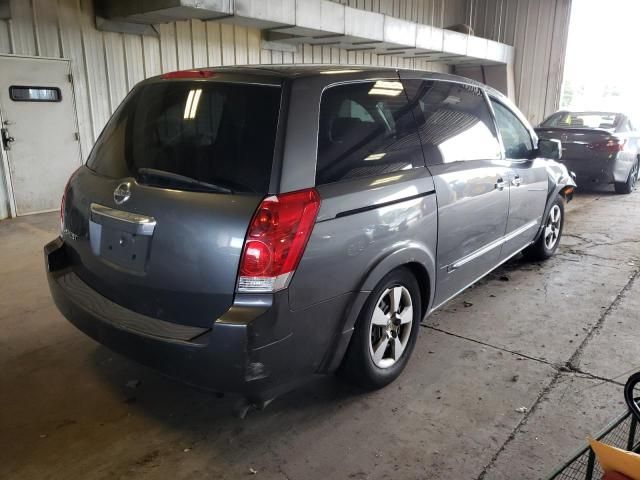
<point x="38" y="131"/>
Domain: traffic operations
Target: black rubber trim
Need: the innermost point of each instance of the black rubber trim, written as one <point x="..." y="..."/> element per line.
<point x="120" y="317"/>
<point x="354" y="211"/>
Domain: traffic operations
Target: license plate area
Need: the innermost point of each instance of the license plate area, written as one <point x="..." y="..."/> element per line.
<point x="125" y="249"/>
<point x="121" y="238"/>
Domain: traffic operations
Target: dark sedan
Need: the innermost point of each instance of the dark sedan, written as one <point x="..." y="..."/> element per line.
<point x="599" y="147"/>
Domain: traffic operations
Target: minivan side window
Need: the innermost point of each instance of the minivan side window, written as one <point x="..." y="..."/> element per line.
<point x="454" y="121"/>
<point x="515" y="136"/>
<point x="365" y="129"/>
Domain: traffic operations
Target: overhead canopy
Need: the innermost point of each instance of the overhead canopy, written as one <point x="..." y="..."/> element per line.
<point x="316" y="22"/>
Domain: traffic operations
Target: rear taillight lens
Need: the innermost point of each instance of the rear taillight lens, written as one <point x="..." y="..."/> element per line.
<point x="612" y="145"/>
<point x="276" y="240"/>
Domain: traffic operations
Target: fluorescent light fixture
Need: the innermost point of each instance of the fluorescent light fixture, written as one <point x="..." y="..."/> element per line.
<point x="187" y="106"/>
<point x="389" y="88"/>
<point x="191" y="107"/>
<point x="388" y="84"/>
<point x="375" y="156"/>
<point x="383" y="91"/>
<point x="382" y="181"/>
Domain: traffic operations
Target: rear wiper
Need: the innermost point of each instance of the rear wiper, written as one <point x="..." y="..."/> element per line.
<point x="181" y="179"/>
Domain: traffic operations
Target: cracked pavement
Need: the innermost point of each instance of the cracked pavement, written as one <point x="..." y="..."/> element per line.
<point x="558" y="338"/>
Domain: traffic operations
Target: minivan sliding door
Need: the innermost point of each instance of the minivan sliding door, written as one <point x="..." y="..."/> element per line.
<point x="528" y="180"/>
<point x="462" y="152"/>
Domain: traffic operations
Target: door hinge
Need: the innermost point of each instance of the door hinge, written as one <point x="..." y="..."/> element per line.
<point x="70" y="77"/>
<point x="76" y="135"/>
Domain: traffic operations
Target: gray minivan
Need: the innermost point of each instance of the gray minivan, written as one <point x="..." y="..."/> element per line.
<point x="242" y="229"/>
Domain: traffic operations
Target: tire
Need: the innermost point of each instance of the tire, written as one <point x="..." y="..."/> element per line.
<point x="371" y="361"/>
<point x="630" y="185"/>
<point x="547" y="244"/>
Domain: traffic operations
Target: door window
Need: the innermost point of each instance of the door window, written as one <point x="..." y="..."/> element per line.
<point x="365" y="129"/>
<point x="515" y="136"/>
<point x="454" y="121"/>
<point x="34" y="94"/>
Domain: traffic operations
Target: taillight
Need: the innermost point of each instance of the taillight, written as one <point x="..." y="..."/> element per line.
<point x="276" y="240"/>
<point x="612" y="145"/>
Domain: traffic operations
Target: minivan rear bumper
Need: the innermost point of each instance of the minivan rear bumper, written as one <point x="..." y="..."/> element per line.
<point x="258" y="348"/>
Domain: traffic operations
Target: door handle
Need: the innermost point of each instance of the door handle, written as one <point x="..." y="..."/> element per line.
<point x="500" y="184"/>
<point x="517" y="181"/>
<point x="7" y="140"/>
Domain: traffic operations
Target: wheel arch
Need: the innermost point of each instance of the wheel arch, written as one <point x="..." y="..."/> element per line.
<point x="418" y="260"/>
<point x="561" y="183"/>
<point x="424" y="282"/>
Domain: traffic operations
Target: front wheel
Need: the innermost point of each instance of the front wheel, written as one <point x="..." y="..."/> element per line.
<point x="549" y="239"/>
<point x="630" y="185"/>
<point x="385" y="333"/>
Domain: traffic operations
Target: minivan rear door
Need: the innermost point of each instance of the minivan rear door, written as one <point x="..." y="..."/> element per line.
<point x="157" y="219"/>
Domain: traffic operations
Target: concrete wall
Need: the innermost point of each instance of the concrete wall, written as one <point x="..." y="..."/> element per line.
<point x="538" y="30"/>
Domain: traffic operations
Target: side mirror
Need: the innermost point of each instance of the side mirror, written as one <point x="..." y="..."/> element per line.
<point x="550" y="148"/>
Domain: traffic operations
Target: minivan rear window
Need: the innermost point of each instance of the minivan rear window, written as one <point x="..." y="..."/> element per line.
<point x="191" y="136"/>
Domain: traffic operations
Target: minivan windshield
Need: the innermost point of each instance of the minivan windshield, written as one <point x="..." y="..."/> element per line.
<point x="192" y="135"/>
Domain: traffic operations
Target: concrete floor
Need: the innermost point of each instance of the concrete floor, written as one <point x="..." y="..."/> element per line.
<point x="66" y="411"/>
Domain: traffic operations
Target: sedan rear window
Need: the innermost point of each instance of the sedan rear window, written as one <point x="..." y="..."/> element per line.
<point x="582" y="120"/>
<point x="192" y="136"/>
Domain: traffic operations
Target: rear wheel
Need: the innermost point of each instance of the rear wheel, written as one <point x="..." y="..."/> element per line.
<point x="548" y="242"/>
<point x="630" y="185"/>
<point x="385" y="333"/>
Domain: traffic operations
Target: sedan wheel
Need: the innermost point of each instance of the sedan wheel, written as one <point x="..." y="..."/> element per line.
<point x="630" y="184"/>
<point x="390" y="326"/>
<point x="552" y="229"/>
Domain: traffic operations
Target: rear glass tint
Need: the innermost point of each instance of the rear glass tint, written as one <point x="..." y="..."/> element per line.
<point x="366" y="129"/>
<point x="213" y="133"/>
<point x="454" y="121"/>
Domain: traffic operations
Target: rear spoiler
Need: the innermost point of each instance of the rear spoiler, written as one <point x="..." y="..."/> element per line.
<point x="573" y="130"/>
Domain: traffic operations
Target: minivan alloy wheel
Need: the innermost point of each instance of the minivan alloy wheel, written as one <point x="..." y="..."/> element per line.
<point x="552" y="230"/>
<point x="391" y="325"/>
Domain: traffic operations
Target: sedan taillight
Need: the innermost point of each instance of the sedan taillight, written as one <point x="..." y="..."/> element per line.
<point x="276" y="240"/>
<point x="613" y="145"/>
